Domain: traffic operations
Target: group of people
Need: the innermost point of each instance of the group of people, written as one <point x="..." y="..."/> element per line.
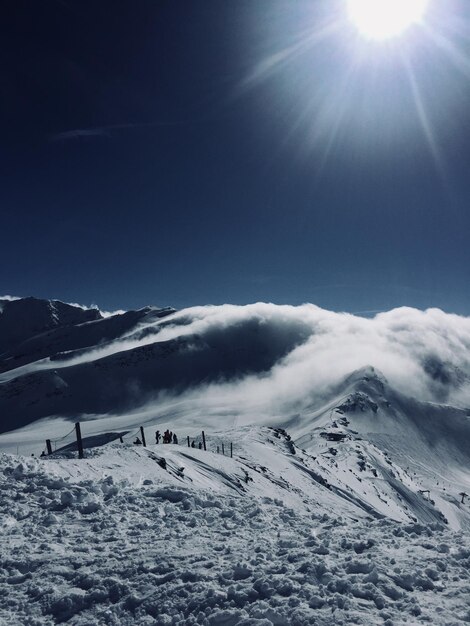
<point x="168" y="437"/>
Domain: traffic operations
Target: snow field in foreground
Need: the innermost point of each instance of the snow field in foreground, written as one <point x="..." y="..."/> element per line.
<point x="117" y="539"/>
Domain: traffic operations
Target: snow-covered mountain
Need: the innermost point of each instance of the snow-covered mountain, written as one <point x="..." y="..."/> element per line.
<point x="309" y="371"/>
<point x="51" y="352"/>
<point x="343" y="503"/>
<point x="379" y="435"/>
<point x="22" y="319"/>
<point x="33" y="329"/>
<point x="358" y="392"/>
<point x="124" y="361"/>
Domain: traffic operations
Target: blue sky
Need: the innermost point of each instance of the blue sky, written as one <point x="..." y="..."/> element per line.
<point x="211" y="151"/>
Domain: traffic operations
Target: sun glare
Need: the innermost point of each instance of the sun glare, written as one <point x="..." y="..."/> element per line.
<point x="374" y="91"/>
<point x="384" y="19"/>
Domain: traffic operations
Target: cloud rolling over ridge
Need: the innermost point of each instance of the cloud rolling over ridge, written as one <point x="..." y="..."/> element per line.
<point x="254" y="362"/>
<point x="424" y="354"/>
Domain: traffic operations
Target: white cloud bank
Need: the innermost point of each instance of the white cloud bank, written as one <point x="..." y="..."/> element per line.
<point x="423" y="354"/>
<point x="262" y="363"/>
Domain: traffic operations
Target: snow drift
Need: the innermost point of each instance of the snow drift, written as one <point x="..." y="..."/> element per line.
<point x="268" y="538"/>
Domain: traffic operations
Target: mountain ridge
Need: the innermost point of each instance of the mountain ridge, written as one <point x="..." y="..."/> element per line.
<point x="349" y="391"/>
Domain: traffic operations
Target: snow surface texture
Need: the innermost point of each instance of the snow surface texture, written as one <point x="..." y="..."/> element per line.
<point x="258" y="540"/>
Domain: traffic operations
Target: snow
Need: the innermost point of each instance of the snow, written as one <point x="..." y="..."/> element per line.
<point x="117" y="539"/>
<point x="341" y="504"/>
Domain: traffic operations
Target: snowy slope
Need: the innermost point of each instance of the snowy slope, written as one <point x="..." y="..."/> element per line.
<point x="342" y="503"/>
<point x="258" y="540"/>
<point x="382" y="438"/>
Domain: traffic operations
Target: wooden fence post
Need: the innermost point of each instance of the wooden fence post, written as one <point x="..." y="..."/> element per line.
<point x="223" y="450"/>
<point x="218" y="450"/>
<point x="143" y="436"/>
<point x="204" y="440"/>
<point x="79" y="440"/>
<point x="48" y="446"/>
<point x="189" y="445"/>
<point x="231" y="450"/>
<point x="121" y="439"/>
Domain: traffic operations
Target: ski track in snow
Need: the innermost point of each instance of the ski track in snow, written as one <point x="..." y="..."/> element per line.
<point x="117" y="539"/>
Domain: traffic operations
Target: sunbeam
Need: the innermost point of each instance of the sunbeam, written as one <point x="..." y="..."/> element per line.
<point x="276" y="61"/>
<point x="459" y="59"/>
<point x="354" y="77"/>
<point x="423" y="117"/>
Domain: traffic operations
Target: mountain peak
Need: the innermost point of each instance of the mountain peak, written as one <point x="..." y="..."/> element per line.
<point x="368" y="374"/>
<point x="23" y="318"/>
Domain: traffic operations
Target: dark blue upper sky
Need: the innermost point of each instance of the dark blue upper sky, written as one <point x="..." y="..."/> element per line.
<point x="180" y="152"/>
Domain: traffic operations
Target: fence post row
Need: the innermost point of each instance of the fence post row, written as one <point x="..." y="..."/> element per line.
<point x="81" y="454"/>
<point x="79" y="440"/>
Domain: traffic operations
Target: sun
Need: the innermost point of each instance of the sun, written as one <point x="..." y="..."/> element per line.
<point x="384" y="19"/>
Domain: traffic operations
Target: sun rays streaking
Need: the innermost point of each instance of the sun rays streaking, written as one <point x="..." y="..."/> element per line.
<point x="276" y="61"/>
<point x="335" y="86"/>
<point x="423" y="117"/>
<point x="460" y="60"/>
